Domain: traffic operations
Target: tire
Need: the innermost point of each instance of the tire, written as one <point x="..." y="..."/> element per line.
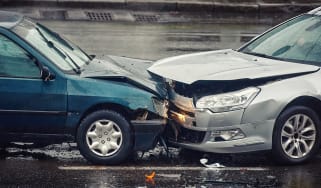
<point x="296" y="144"/>
<point x="105" y="137"/>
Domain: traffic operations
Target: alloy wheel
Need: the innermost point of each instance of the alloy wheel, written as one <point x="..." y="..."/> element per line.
<point x="298" y="136"/>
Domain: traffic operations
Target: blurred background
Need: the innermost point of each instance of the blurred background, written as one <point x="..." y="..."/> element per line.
<point x="154" y="29"/>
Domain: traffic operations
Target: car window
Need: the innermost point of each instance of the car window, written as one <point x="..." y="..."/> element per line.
<point x="15" y="61"/>
<point x="298" y="40"/>
<point x="27" y="30"/>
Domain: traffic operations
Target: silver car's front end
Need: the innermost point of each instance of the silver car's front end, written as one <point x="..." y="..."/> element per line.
<point x="225" y="133"/>
<point x="266" y="95"/>
<point x="232" y="131"/>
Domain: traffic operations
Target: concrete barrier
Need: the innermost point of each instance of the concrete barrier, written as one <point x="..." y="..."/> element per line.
<point x="238" y="6"/>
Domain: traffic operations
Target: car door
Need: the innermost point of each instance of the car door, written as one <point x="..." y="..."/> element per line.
<point x="28" y="104"/>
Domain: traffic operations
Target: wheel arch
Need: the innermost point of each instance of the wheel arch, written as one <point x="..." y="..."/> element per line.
<point x="122" y="110"/>
<point x="307" y="101"/>
<point x="126" y="112"/>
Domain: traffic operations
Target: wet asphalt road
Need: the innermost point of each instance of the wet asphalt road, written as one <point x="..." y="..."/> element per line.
<point x="63" y="166"/>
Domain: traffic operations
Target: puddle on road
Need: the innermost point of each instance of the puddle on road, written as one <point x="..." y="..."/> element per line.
<point x="58" y="152"/>
<point x="181" y="169"/>
<point x="157" y="157"/>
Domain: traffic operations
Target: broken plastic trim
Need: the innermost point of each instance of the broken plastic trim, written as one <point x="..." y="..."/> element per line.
<point x="203" y="88"/>
<point x="226" y="135"/>
<point x="161" y="107"/>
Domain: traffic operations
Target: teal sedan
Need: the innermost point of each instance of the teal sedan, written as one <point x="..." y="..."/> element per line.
<point x="51" y="91"/>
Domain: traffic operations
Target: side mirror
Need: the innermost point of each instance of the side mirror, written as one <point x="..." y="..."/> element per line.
<point x="46" y="75"/>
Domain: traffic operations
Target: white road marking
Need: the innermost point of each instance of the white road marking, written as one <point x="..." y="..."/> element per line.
<point x="159" y="168"/>
<point x="174" y="176"/>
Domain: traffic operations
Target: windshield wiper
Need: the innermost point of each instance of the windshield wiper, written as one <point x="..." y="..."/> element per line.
<point x="64" y="41"/>
<point x="263" y="55"/>
<point x="55" y="35"/>
<point x="62" y="53"/>
<point x="258" y="54"/>
<point x="73" y="62"/>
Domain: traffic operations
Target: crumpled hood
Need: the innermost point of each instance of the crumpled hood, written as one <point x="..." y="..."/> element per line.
<point x="224" y="65"/>
<point x="131" y="70"/>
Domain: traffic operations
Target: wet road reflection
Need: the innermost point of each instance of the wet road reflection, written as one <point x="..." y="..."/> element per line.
<point x="62" y="166"/>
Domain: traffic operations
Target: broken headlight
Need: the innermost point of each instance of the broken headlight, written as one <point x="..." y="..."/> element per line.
<point x="228" y="101"/>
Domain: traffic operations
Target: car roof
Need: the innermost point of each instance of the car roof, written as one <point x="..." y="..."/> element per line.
<point x="9" y="19"/>
<point x="316" y="11"/>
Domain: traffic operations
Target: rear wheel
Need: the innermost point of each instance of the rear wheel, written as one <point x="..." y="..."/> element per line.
<point x="104" y="137"/>
<point x="297" y="135"/>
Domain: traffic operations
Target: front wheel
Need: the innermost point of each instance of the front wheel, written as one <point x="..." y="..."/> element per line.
<point x="297" y="135"/>
<point x="104" y="137"/>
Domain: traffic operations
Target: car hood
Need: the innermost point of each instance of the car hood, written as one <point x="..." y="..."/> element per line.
<point x="133" y="71"/>
<point x="224" y="65"/>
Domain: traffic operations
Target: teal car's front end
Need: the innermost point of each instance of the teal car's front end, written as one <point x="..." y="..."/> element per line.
<point x="124" y="85"/>
<point x="52" y="89"/>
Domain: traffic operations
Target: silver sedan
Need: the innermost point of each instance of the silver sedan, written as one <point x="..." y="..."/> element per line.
<point x="264" y="96"/>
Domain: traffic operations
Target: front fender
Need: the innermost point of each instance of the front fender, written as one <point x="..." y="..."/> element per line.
<point x="84" y="93"/>
<point x="274" y="97"/>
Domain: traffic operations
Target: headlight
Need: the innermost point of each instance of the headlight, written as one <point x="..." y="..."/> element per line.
<point x="228" y="101"/>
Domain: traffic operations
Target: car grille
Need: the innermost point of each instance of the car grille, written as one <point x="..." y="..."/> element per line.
<point x="183" y="135"/>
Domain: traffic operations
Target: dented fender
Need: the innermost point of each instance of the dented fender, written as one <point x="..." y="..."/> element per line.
<point x="85" y="93"/>
<point x="274" y="97"/>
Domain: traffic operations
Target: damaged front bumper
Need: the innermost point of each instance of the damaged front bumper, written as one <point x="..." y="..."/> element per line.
<point x="223" y="132"/>
<point x="150" y="125"/>
<point x="220" y="132"/>
<point x="147" y="133"/>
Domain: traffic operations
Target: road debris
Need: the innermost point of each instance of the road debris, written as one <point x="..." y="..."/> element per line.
<point x="213" y="165"/>
<point x="150" y="178"/>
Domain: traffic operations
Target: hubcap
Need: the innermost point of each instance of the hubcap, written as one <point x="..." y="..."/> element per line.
<point x="298" y="136"/>
<point x="104" y="137"/>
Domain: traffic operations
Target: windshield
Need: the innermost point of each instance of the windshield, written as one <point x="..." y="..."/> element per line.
<point x="66" y="55"/>
<point x="298" y="40"/>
